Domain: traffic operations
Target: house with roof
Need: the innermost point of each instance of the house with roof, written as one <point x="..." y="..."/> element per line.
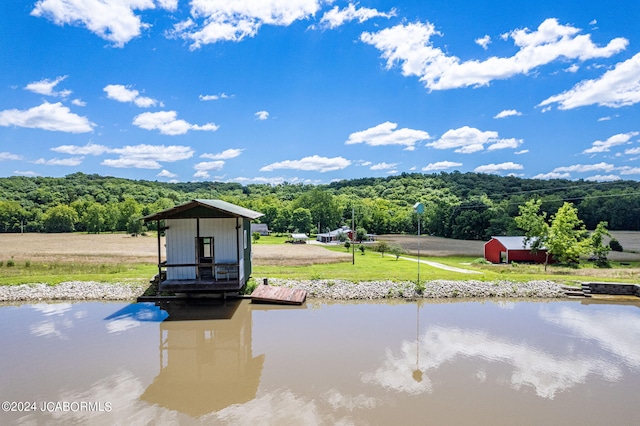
<point x="260" y="228"/>
<point x="207" y="246"/>
<point x="334" y="235"/>
<point x="514" y="249"/>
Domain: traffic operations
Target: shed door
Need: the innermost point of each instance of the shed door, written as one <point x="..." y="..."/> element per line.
<point x="205" y="257"/>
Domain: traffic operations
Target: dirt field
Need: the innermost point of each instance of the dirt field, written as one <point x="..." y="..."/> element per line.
<point x="121" y="248"/>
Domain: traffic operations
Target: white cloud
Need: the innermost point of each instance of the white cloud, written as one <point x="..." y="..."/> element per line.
<point x="213" y="97"/>
<point x="312" y="163"/>
<point x="585" y="168"/>
<point x="522" y="151"/>
<point x="632" y="151"/>
<point x="573" y="68"/>
<point x="552" y="175"/>
<point x="73" y="161"/>
<point x="167" y="124"/>
<point x="508" y="113"/>
<point x="440" y="165"/>
<point x="224" y="155"/>
<point x="383" y="166"/>
<point x="79" y="102"/>
<point x="222" y="20"/>
<point x="167" y="174"/>
<point x="337" y="17"/>
<point x="262" y="115"/>
<point x="46" y="86"/>
<point x="4" y="156"/>
<point x="386" y="134"/>
<point x="112" y="20"/>
<point x="626" y="170"/>
<point x="53" y="117"/>
<point x="615" y="140"/>
<point x="25" y="173"/>
<point x="616" y="88"/>
<point x="602" y="178"/>
<point x="147" y="156"/>
<point x="203" y="168"/>
<point x="128" y="163"/>
<point x="483" y="41"/>
<point x="468" y="140"/>
<point x="410" y="47"/>
<point x="88" y="149"/>
<point x="494" y="168"/>
<point x="122" y="93"/>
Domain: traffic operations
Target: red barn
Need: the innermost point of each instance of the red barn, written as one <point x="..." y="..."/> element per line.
<point x="513" y="249"/>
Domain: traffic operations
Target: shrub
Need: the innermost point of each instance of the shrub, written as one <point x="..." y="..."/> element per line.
<point x="347" y="245"/>
<point x="27" y="264"/>
<point x="615" y="245"/>
<point x="481" y="261"/>
<point x="11" y="262"/>
<point x="251" y="285"/>
<point x="361" y="248"/>
<point x="397" y="251"/>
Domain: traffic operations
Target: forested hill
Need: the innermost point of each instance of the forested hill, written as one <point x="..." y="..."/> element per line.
<point x="458" y="205"/>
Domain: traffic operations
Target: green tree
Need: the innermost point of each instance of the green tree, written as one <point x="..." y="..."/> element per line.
<point x="598" y="248"/>
<point x="61" y="218"/>
<point x="381" y="247"/>
<point x="361" y="234"/>
<point x="12" y="216"/>
<point x="397" y="251"/>
<point x="255" y="236"/>
<point x="93" y="218"/>
<point x="301" y="220"/>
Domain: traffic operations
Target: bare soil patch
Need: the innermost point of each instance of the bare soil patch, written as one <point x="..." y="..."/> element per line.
<point x="122" y="248"/>
<point x="436" y="246"/>
<point x="295" y="255"/>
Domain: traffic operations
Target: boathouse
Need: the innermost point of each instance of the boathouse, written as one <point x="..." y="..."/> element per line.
<point x="207" y="246"/>
<point x="513" y="249"/>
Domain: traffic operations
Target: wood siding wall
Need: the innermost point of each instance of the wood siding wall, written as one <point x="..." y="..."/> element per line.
<point x="181" y="244"/>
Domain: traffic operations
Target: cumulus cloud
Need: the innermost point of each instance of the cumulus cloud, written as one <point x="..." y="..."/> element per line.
<point x="314" y="163"/>
<point x="507" y="113"/>
<point x="410" y="46"/>
<point x="122" y="93"/>
<point x="224" y="155"/>
<point x="112" y="20"/>
<point x="146" y="156"/>
<point x="483" y="42"/>
<point x="4" y="156"/>
<point x="88" y="149"/>
<point x="337" y="17"/>
<point x="615" y="140"/>
<point x="552" y="175"/>
<point x="46" y="86"/>
<point x="167" y="123"/>
<point x="616" y="88"/>
<point x="167" y="174"/>
<point x="53" y="117"/>
<point x="386" y="134"/>
<point x="213" y="21"/>
<point x="383" y="166"/>
<point x="79" y="102"/>
<point x="203" y="168"/>
<point x="467" y="140"/>
<point x="602" y="178"/>
<point x="440" y="165"/>
<point x="262" y="115"/>
<point x="585" y="168"/>
<point x="74" y="161"/>
<point x="213" y="97"/>
<point x="495" y="168"/>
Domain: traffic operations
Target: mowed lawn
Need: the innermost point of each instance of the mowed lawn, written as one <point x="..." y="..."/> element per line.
<point x="54" y="258"/>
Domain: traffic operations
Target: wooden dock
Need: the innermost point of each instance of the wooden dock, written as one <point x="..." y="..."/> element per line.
<point x="265" y="293"/>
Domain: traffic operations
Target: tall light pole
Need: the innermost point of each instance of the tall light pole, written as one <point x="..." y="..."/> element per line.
<point x="419" y="209"/>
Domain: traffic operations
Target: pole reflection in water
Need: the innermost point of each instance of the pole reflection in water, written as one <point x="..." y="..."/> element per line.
<point x="205" y="358"/>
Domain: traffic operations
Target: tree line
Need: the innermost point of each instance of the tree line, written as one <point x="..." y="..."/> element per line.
<point x="457" y="205"/>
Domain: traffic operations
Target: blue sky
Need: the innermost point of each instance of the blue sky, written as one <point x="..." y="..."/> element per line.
<point x="268" y="91"/>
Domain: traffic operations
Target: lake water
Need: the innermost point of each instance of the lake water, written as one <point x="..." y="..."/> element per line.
<point x="465" y="362"/>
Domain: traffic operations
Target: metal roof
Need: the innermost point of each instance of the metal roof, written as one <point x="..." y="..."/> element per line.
<point x="224" y="208"/>
<point x="516" y="243"/>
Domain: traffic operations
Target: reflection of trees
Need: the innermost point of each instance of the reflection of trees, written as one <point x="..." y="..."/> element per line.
<point x="205" y="365"/>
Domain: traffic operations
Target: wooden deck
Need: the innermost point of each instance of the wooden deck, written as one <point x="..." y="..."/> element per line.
<point x="199" y="285"/>
<point x="270" y="294"/>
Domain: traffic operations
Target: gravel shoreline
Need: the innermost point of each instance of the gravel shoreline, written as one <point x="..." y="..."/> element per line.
<point x="321" y="289"/>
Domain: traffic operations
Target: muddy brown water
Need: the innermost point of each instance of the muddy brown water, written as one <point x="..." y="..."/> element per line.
<point x="375" y="363"/>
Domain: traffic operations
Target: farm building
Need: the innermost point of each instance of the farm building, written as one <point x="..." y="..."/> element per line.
<point x="208" y="246"/>
<point x="513" y="249"/>
<point x="334" y="235"/>
<point x="260" y="228"/>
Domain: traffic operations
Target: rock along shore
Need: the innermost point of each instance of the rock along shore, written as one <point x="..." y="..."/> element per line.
<point x="321" y="289"/>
